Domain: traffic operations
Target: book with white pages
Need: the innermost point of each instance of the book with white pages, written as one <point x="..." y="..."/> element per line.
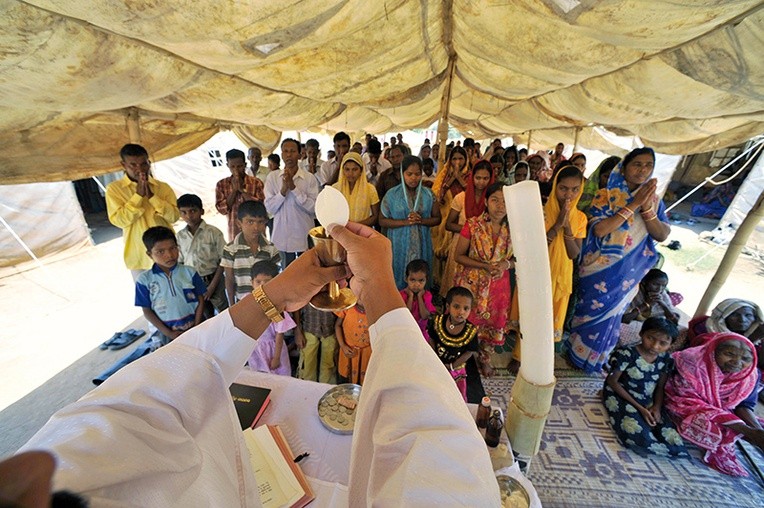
<point x="280" y="481"/>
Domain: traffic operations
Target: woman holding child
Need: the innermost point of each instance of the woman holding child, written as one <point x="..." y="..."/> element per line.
<point x="625" y="220"/>
<point x="484" y="251"/>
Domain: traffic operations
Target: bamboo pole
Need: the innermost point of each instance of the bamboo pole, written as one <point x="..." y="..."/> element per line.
<point x="730" y="257"/>
<point x="530" y="135"/>
<point x="445" y="106"/>
<point x="575" y="139"/>
<point x="134" y="125"/>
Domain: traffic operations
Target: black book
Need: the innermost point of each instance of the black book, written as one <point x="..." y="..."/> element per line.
<point x="250" y="403"/>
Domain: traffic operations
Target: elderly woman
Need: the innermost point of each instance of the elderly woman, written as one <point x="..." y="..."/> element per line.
<point x="706" y="398"/>
<point x="731" y="315"/>
<point x="625" y="220"/>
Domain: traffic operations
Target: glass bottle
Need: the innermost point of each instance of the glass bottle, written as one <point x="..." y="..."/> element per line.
<point x="483" y="413"/>
<point x="493" y="430"/>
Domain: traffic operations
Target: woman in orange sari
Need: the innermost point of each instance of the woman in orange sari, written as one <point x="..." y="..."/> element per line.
<point x="450" y="181"/>
<point x="484" y="251"/>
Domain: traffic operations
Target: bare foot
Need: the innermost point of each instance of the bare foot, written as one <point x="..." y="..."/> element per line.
<point x="486" y="370"/>
<point x="513" y="367"/>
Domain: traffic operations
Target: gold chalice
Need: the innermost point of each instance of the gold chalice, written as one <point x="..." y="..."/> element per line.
<point x="330" y="253"/>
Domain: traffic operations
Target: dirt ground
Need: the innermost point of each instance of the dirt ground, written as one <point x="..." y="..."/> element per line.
<point x="54" y="315"/>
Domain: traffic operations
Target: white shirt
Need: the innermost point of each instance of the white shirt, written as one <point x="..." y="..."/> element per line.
<point x="293" y="214"/>
<point x="163" y="431"/>
<point x="382" y="165"/>
<point x="303" y="164"/>
<point x="327" y="171"/>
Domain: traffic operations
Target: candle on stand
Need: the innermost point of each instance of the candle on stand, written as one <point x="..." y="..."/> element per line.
<point x="534" y="281"/>
<point x="531" y="396"/>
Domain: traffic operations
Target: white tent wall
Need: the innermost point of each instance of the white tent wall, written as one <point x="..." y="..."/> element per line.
<point x="46" y="216"/>
<point x="193" y="173"/>
<point x="744" y="200"/>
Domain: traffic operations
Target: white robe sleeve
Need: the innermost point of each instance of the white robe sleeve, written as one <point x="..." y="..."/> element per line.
<point x="162" y="431"/>
<point x="415" y="442"/>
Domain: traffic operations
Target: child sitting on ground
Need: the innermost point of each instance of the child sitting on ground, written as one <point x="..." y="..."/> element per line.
<point x="352" y="331"/>
<point x="652" y="300"/>
<point x="633" y="392"/>
<point x="270" y="353"/>
<point x="314" y="331"/>
<point x="453" y="338"/>
<point x="246" y="249"/>
<point x="201" y="247"/>
<point x="171" y="294"/>
<point x="417" y="298"/>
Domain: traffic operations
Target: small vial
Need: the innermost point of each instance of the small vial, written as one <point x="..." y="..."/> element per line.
<point x="483" y="413"/>
<point x="493" y="430"/>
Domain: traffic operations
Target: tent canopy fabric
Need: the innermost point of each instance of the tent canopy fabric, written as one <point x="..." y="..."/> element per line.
<point x="684" y="76"/>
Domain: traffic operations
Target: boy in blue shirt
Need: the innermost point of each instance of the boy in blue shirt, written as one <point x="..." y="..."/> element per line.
<point x="171" y="294"/>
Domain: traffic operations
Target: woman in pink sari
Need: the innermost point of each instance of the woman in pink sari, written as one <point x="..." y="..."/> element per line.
<point x="705" y="394"/>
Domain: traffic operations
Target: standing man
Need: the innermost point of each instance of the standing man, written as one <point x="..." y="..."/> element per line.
<point x="330" y="170"/>
<point x="137" y="202"/>
<point x="312" y="162"/>
<point x="375" y="165"/>
<point x="391" y="177"/>
<point x="290" y="197"/>
<point x="239" y="187"/>
<point x="255" y="157"/>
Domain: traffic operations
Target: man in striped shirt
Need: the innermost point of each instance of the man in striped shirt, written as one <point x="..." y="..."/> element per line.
<point x="246" y="249"/>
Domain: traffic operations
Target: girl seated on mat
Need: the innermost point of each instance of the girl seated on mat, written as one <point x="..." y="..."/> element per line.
<point x="633" y="392"/>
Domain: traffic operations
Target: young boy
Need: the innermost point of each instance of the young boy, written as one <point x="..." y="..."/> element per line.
<point x="246" y="249"/>
<point x="417" y="298"/>
<point x="171" y="295"/>
<point x="201" y="247"/>
<point x="315" y="328"/>
<point x="453" y="338"/>
<point x="428" y="176"/>
<point x="270" y="353"/>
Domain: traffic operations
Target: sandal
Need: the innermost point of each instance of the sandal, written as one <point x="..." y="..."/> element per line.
<point x="126" y="338"/>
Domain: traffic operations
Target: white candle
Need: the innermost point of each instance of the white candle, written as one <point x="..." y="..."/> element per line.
<point x="526" y="227"/>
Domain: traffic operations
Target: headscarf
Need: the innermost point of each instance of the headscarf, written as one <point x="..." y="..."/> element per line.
<point x="701" y="399"/>
<point x="716" y="322"/>
<point x="472" y="206"/>
<point x="608" y="201"/>
<point x="408" y="160"/>
<point x="512" y="172"/>
<point x="440" y="177"/>
<point x="361" y="195"/>
<point x="541" y="170"/>
<point x="560" y="264"/>
<point x="592" y="184"/>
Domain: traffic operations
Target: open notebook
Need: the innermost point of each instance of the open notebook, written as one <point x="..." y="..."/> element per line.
<point x="280" y="480"/>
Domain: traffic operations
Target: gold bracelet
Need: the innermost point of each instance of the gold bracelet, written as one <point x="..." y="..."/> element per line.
<point x="267" y="305"/>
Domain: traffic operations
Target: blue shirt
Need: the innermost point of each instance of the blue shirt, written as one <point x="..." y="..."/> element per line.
<point x="173" y="297"/>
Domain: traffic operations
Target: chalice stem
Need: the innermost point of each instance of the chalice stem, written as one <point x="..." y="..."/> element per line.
<point x="334" y="290"/>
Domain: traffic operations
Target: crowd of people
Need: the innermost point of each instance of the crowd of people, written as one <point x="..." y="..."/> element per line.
<point x="452" y="261"/>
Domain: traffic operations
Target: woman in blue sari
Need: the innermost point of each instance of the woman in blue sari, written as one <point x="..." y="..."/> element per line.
<point x="625" y="220"/>
<point x="409" y="211"/>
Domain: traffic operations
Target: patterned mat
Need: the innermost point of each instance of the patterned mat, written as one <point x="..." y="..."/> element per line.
<point x="581" y="464"/>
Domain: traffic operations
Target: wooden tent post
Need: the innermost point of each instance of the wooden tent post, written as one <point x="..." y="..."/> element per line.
<point x="134" y="125"/>
<point x="733" y="251"/>
<point x="445" y="106"/>
<point x="575" y="139"/>
<point x="530" y="134"/>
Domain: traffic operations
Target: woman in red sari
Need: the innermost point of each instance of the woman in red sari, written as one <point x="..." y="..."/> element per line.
<point x="484" y="252"/>
<point x="704" y="398"/>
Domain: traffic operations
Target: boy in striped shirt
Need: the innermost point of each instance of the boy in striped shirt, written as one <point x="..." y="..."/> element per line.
<point x="246" y="249"/>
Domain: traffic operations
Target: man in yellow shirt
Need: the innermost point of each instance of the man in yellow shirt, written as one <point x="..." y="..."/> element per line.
<point x="138" y="202"/>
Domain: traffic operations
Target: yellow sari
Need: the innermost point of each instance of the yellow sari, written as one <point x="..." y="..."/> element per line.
<point x="441" y="238"/>
<point x="560" y="264"/>
<point x="363" y="195"/>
